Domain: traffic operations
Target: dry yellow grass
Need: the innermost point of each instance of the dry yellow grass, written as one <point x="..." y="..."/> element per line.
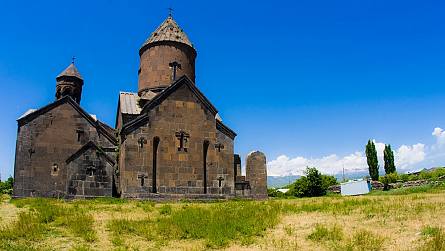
<point x="393" y="222"/>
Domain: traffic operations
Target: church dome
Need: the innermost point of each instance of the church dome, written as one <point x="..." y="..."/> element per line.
<point x="169" y="30"/>
<point x="165" y="56"/>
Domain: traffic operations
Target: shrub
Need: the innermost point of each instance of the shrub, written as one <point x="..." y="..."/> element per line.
<point x="388" y="178"/>
<point x="273" y="192"/>
<point x="6" y="186"/>
<point x="313" y="184"/>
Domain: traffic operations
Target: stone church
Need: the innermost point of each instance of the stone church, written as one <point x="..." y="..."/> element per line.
<point x="169" y="141"/>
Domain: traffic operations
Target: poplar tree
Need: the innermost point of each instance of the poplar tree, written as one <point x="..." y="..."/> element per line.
<point x="371" y="158"/>
<point x="388" y="156"/>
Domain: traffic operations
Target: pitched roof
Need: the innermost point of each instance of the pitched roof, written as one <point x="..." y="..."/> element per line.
<point x="129" y="103"/>
<point x="87" y="146"/>
<point x="107" y="131"/>
<point x="29" y="111"/>
<point x="225" y="129"/>
<point x="70" y="71"/>
<point x="169" y="30"/>
<point x="184" y="80"/>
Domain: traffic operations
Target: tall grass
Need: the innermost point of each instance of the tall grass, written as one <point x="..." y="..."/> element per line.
<point x="42" y="216"/>
<point x="434" y="239"/>
<point x="218" y="224"/>
<point x="325" y="233"/>
<point x="79" y="223"/>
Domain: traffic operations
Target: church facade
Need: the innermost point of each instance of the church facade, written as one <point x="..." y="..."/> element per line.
<point x="169" y="141"/>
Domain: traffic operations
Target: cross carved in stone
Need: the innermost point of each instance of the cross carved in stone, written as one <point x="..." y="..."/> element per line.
<point x="91" y="170"/>
<point x="142" y="141"/>
<point x="219" y="146"/>
<point x="220" y="179"/>
<point x="174" y="66"/>
<point x="142" y="177"/>
<point x="183" y="139"/>
<point x="31" y="152"/>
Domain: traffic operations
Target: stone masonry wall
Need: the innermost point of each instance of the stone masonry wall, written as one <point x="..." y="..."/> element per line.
<point x="90" y="175"/>
<point x="43" y="146"/>
<point x="178" y="171"/>
<point x="154" y="64"/>
<point x="256" y="174"/>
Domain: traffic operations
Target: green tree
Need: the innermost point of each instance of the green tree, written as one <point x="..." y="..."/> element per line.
<point x="328" y="180"/>
<point x="310" y="185"/>
<point x="315" y="182"/>
<point x="373" y="163"/>
<point x="6" y="186"/>
<point x="388" y="156"/>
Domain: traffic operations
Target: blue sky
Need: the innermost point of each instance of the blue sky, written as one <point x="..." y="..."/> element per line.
<point x="307" y="82"/>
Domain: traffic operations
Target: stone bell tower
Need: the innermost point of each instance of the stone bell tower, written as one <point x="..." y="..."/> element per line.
<point x="164" y="57"/>
<point x="69" y="83"/>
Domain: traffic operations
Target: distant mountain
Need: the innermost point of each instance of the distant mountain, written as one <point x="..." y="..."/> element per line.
<point x="280" y="181"/>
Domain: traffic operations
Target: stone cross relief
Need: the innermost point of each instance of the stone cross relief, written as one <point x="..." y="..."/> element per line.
<point x="220" y="179"/>
<point x="142" y="141"/>
<point x="142" y="177"/>
<point x="91" y="170"/>
<point x="219" y="146"/>
<point x="183" y="139"/>
<point x="31" y="151"/>
<point x="174" y="66"/>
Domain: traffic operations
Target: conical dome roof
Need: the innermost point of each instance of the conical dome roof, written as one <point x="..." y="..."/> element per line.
<point x="169" y="30"/>
<point x="70" y="71"/>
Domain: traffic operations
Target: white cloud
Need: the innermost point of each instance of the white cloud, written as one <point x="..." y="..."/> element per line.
<point x="331" y="164"/>
<point x="407" y="156"/>
<point x="440" y="136"/>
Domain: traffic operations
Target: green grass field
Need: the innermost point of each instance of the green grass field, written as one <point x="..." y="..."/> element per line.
<point x="404" y="219"/>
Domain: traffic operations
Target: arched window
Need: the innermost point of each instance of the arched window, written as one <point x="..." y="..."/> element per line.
<point x="55" y="169"/>
<point x="156" y="141"/>
<point x="205" y="147"/>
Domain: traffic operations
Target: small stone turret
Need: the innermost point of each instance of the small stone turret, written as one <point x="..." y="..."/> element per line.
<point x="69" y="83"/>
<point x="256" y="174"/>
